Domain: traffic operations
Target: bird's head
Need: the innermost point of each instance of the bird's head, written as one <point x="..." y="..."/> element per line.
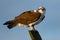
<point x="41" y="10"/>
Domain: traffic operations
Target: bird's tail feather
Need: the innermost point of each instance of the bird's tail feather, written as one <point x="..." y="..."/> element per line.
<point x="10" y="24"/>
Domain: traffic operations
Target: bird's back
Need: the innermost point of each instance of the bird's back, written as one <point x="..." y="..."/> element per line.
<point x="27" y="17"/>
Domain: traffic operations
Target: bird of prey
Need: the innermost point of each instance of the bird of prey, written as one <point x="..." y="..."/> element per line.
<point x="28" y="18"/>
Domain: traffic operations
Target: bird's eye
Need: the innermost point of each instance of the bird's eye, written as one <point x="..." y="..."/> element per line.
<point x="43" y="9"/>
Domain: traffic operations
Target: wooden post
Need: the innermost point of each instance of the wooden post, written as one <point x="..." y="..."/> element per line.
<point x="34" y="34"/>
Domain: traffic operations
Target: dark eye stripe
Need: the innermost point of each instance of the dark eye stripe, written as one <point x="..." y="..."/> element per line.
<point x="42" y="9"/>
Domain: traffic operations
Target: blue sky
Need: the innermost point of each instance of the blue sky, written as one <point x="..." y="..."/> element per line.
<point x="49" y="28"/>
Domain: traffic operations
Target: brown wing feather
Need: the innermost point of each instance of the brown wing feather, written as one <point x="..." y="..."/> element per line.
<point x="27" y="17"/>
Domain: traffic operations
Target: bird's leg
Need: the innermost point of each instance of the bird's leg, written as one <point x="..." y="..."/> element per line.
<point x="32" y="27"/>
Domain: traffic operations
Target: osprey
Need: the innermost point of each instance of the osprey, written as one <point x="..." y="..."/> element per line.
<point x="28" y="18"/>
